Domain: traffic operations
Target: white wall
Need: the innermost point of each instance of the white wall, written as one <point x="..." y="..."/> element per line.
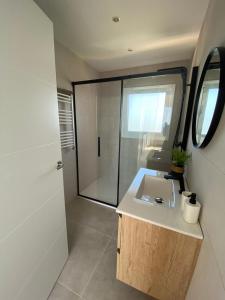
<point x="206" y="176"/>
<point x="70" y="68"/>
<point x="86" y="113"/>
<point x="33" y="242"/>
<point x="109" y="94"/>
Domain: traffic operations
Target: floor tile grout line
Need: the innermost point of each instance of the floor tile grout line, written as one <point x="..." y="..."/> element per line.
<point x="57" y="280"/>
<point x="92" y="227"/>
<point x="98" y="203"/>
<point x="68" y="288"/>
<point x="95" y="268"/>
<point x="91" y="203"/>
<point x="98" y="261"/>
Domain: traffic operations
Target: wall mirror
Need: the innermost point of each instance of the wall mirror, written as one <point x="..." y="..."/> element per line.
<point x="210" y="98"/>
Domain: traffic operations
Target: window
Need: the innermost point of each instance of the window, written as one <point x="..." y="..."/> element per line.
<point x="208" y="103"/>
<point x="147" y="110"/>
<point x="140" y="112"/>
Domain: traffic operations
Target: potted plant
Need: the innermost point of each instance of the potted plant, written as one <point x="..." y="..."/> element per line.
<point x="179" y="159"/>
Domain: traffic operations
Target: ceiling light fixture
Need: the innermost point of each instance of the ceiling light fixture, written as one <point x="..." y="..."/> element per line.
<point x="116" y="19"/>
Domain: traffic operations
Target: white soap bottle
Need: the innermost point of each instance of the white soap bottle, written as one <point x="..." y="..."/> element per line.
<point x="186" y="195"/>
<point x="191" y="210"/>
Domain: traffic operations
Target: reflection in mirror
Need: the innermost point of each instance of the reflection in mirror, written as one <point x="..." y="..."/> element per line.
<point x="209" y="99"/>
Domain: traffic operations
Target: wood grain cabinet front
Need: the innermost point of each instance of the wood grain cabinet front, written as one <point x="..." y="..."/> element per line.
<point x="157" y="261"/>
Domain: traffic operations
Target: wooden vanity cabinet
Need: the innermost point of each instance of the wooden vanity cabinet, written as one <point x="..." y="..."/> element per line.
<point x="157" y="261"/>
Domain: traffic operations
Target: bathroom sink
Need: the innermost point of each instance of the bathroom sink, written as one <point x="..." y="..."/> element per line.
<point x="156" y="191"/>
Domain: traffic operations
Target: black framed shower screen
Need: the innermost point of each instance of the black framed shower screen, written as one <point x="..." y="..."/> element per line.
<point x="103" y="156"/>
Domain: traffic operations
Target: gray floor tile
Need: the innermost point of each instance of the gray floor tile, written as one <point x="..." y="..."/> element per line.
<point x="86" y="248"/>
<point x="104" y="285"/>
<point x="61" y="293"/>
<point x="85" y="241"/>
<point x="102" y="218"/>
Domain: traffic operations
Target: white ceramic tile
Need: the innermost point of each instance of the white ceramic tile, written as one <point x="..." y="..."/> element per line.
<point x="42" y="279"/>
<point x="22" y="250"/>
<point x="28" y="179"/>
<point x="206" y="177"/>
<point x="197" y="167"/>
<point x="29" y="114"/>
<point x="213" y="217"/>
<point x="208" y="182"/>
<point x="86" y="109"/>
<point x="216" y="148"/>
<point x="206" y="282"/>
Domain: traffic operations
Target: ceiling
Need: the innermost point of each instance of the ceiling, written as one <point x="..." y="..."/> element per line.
<point x="156" y="30"/>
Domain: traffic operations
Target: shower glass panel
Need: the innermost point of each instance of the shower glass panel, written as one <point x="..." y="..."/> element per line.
<point x="150" y="115"/>
<point x="98" y="129"/>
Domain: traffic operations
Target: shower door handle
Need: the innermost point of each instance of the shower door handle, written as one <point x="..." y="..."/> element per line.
<point x="99" y="146"/>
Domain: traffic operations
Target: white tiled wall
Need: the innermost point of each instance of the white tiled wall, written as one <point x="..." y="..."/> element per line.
<point x="33" y="242"/>
<point x="109" y="94"/>
<point x="206" y="176"/>
<point x="86" y="119"/>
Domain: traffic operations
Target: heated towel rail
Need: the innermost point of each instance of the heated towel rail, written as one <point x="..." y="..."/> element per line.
<point x="65" y="107"/>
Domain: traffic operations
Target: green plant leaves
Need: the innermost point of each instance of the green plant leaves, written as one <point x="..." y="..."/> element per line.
<point x="180" y="157"/>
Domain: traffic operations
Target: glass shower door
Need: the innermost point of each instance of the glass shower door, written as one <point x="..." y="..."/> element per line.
<point x="98" y="128"/>
<point x="150" y="116"/>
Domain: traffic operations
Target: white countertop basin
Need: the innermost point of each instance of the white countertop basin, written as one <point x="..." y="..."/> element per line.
<point x="152" y="183"/>
<point x="155" y="187"/>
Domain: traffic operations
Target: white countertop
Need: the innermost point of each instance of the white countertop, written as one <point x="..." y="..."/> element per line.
<point x="166" y="217"/>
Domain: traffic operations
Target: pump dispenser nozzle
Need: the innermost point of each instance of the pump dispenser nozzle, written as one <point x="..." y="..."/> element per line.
<point x="193" y="198"/>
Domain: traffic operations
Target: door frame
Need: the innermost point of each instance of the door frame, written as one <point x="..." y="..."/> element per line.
<point x="170" y="71"/>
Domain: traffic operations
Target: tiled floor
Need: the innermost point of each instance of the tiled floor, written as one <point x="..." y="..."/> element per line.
<point x="89" y="273"/>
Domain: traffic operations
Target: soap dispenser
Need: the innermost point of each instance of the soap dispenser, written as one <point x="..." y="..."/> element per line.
<point x="191" y="209"/>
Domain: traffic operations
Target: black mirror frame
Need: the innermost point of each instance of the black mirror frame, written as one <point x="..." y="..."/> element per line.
<point x="220" y="99"/>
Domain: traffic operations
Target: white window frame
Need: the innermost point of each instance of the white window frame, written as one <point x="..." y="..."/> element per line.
<point x="168" y="88"/>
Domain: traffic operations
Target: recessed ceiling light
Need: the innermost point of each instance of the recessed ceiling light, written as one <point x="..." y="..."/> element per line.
<point x="116" y="19"/>
<point x="130" y="50"/>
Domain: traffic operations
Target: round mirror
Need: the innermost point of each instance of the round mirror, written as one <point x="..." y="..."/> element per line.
<point x="210" y="98"/>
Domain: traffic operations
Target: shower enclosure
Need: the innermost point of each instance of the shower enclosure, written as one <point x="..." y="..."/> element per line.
<point x="98" y="129"/>
<point x="122" y="124"/>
